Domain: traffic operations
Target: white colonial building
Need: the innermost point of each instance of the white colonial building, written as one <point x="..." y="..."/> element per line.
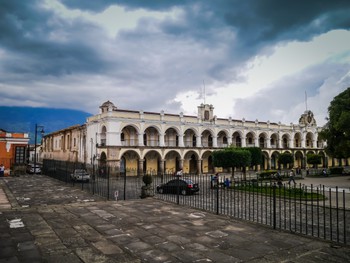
<point x="161" y="142"/>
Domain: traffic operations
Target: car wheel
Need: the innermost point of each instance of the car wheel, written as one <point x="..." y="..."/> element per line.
<point x="183" y="192"/>
<point x="160" y="190"/>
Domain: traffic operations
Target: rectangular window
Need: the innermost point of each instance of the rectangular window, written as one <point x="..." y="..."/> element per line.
<point x="20" y="154"/>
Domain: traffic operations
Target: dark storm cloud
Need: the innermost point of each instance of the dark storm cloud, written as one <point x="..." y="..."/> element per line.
<point x="245" y="28"/>
<point x="159" y="57"/>
<point x="37" y="43"/>
<point x="256" y="22"/>
<point x="97" y="6"/>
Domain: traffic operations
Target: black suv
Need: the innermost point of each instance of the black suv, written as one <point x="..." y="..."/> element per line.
<point x="186" y="187"/>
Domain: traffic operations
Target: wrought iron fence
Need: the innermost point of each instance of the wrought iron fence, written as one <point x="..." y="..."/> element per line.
<point x="315" y="211"/>
<point x="310" y="210"/>
<point x="103" y="181"/>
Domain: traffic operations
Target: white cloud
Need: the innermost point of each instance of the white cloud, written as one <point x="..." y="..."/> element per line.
<point x="267" y="72"/>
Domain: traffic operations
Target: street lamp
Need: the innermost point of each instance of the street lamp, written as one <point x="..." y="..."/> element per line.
<point x="35" y="141"/>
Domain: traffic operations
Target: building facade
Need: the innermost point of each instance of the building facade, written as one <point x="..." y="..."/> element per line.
<point x="13" y="148"/>
<point x="138" y="141"/>
<point x="67" y="144"/>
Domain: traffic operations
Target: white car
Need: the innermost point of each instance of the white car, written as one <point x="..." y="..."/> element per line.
<point x="31" y="170"/>
<point x="80" y="175"/>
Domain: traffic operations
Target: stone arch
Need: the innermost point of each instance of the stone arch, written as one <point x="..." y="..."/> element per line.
<point x="190" y="162"/>
<point x="263" y="140"/>
<point x="250" y="139"/>
<point x="297" y="139"/>
<point x="103" y="136"/>
<point x="172" y="161"/>
<point x="129" y="162"/>
<point x="285" y="140"/>
<point x="190" y="137"/>
<point x="207" y="138"/>
<point x="129" y="135"/>
<point x="299" y="159"/>
<point x="207" y="162"/>
<point x="237" y="138"/>
<point x="171" y="137"/>
<point x="274" y="160"/>
<point x="151" y="162"/>
<point x="151" y="136"/>
<point x="265" y="160"/>
<point x="102" y="164"/>
<point x="309" y="140"/>
<point x="222" y="138"/>
<point x="274" y="140"/>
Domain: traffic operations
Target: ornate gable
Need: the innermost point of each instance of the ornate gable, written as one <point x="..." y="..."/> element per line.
<point x="307" y="119"/>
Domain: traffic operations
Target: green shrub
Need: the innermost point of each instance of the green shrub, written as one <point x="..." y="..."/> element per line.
<point x="147" y="179"/>
<point x="267" y="174"/>
<point x="336" y="170"/>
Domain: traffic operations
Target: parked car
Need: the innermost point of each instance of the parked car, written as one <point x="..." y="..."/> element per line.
<point x="33" y="170"/>
<point x="80" y="175"/>
<point x="186" y="187"/>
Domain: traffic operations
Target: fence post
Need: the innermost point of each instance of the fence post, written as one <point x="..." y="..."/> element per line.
<point x="108" y="183"/>
<point x="125" y="185"/>
<point x="93" y="177"/>
<point x="217" y="195"/>
<point x="274" y="205"/>
<point x="178" y="190"/>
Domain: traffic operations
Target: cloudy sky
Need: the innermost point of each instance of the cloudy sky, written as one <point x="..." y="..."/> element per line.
<point x="252" y="59"/>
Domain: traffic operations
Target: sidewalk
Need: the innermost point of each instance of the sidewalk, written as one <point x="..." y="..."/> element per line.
<point x="44" y="220"/>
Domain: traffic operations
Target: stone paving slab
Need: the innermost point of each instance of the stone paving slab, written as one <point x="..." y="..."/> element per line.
<point x="70" y="225"/>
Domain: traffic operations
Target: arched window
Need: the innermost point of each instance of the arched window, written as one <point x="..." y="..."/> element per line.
<point x="206" y="115"/>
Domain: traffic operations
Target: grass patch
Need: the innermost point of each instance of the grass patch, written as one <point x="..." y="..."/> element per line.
<point x="291" y="192"/>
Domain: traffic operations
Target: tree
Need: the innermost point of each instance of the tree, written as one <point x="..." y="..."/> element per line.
<point x="314" y="159"/>
<point x="337" y="129"/>
<point x="256" y="155"/>
<point x="232" y="158"/>
<point x="286" y="158"/>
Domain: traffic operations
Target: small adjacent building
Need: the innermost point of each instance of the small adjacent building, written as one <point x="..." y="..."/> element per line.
<point x="68" y="144"/>
<point x="13" y="148"/>
<point x="139" y="141"/>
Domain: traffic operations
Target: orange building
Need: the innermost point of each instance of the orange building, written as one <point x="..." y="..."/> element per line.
<point x="13" y="148"/>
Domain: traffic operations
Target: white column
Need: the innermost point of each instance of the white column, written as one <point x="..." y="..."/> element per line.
<point x="161" y="139"/>
<point x="198" y="141"/>
<point x="141" y="139"/>
<point x="256" y="141"/>
<point x="244" y="141"/>
<point x="229" y="140"/>
<point x="181" y="140"/>
<point x="291" y="143"/>
<point x="215" y="141"/>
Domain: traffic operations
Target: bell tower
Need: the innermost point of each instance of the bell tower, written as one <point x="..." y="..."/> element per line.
<point x="206" y="112"/>
<point x="307" y="119"/>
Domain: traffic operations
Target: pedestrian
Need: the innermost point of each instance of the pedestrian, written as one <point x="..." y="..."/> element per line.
<point x="324" y="172"/>
<point x="227" y="183"/>
<point x="2" y="170"/>
<point x="307" y="171"/>
<point x="291" y="177"/>
<point x="215" y="181"/>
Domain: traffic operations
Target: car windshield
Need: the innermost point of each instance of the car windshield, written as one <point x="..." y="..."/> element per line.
<point x="80" y="171"/>
<point x="188" y="181"/>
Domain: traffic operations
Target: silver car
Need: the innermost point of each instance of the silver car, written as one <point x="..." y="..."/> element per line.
<point x="80" y="175"/>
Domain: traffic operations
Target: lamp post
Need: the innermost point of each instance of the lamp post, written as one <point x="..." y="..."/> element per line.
<point x="35" y="141"/>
